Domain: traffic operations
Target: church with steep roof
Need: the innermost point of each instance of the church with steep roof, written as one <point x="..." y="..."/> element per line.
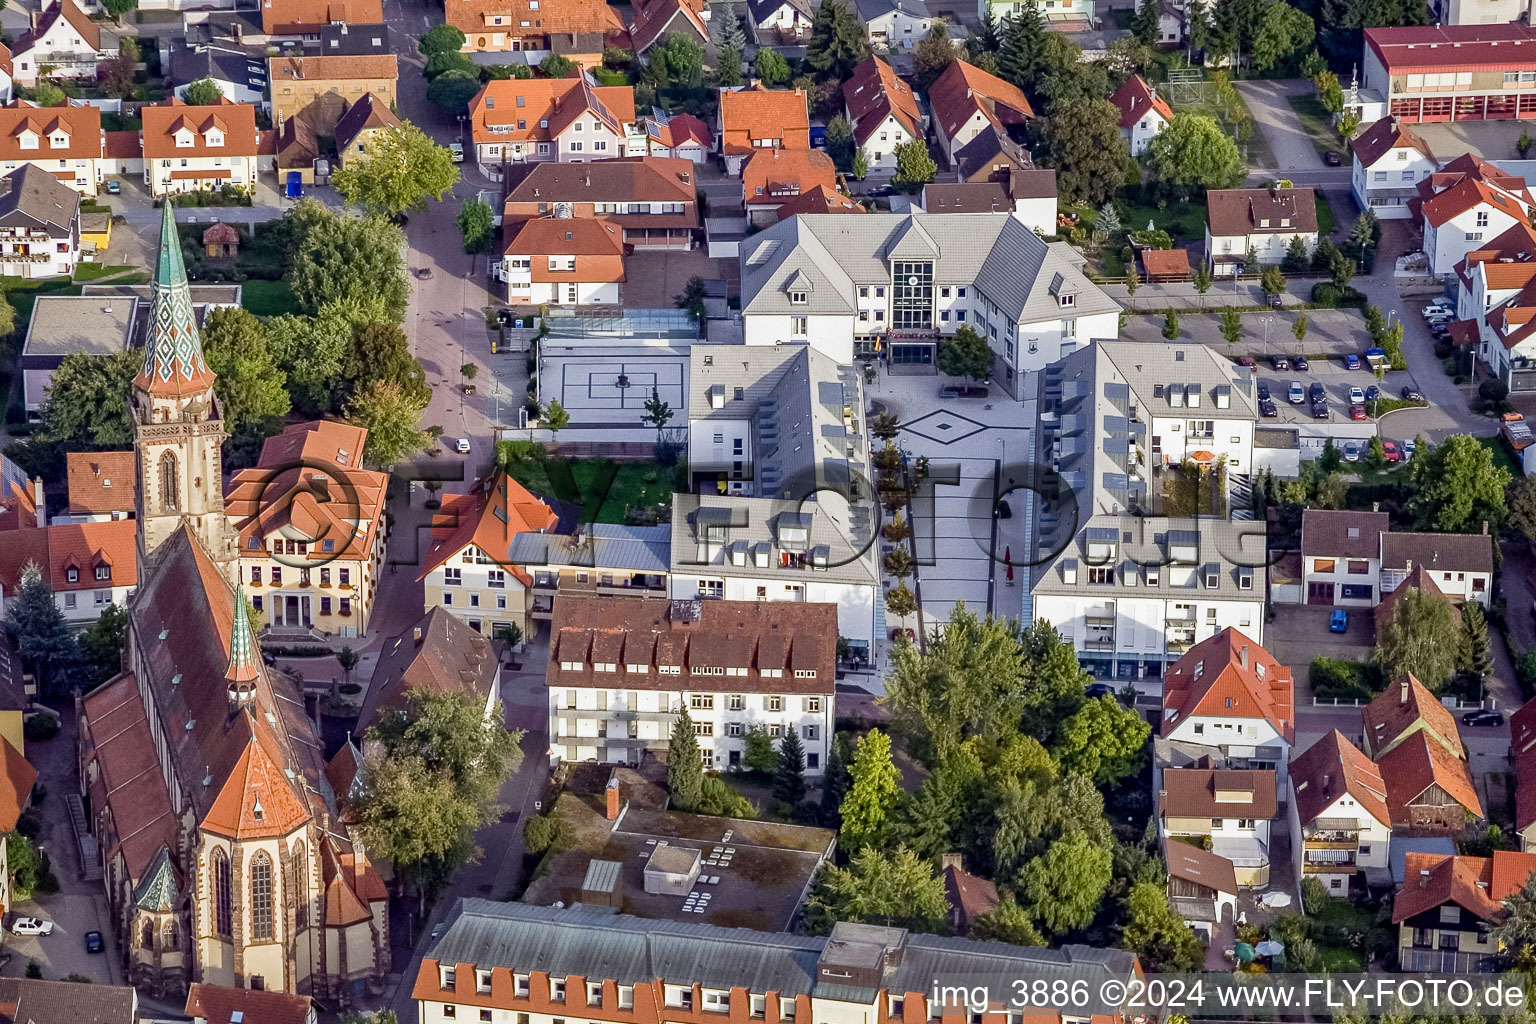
<point x="224" y="857"/>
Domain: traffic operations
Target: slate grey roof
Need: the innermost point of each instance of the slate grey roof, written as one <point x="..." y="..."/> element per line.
<point x="1189" y="554"/>
<point x="1149" y="368"/>
<point x="223" y="63"/>
<point x="834" y="254"/>
<point x="32" y="196"/>
<point x="344" y="40"/>
<point x="869" y="10"/>
<point x="757" y="529"/>
<point x="606" y="546"/>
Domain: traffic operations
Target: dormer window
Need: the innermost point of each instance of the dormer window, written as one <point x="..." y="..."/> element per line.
<point x="1067" y="299"/>
<point x="27" y="140"/>
<point x="214" y="138"/>
<point x="72" y="575"/>
<point x="59" y="140"/>
<point x="798" y="298"/>
<point x="103" y="572"/>
<point x="185" y="139"/>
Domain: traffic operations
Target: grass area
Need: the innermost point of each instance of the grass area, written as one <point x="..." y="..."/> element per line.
<point x="619" y="486"/>
<point x="1500" y="455"/>
<point x="266" y="298"/>
<point x="1325" y="221"/>
<point x="1386" y="405"/>
<point x="1318" y="124"/>
<point x="98" y="271"/>
<point x="1256" y="151"/>
<point x="1185" y="222"/>
<point x="120" y="123"/>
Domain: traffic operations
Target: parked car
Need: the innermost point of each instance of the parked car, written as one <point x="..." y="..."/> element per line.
<point x="1411" y="393"/>
<point x="457" y="149"/>
<point x="1338" y="622"/>
<point x="94" y="943"/>
<point x="1351" y="361"/>
<point x="1317" y="392"/>
<point x="1356" y="395"/>
<point x="1267" y="408"/>
<point x="1279" y="362"/>
<point x="461" y="445"/>
<point x="1297" y="394"/>
<point x="879" y="192"/>
<point x="1372" y="392"/>
<point x="1096" y="690"/>
<point x="1247" y="361"/>
<point x="1357" y="412"/>
<point x="1409" y="447"/>
<point x="114" y="187"/>
<point x="1300" y="363"/>
<point x="1263" y="390"/>
<point x="1320" y="410"/>
<point x="1332" y="158"/>
<point x="1487" y="716"/>
<point x="1438" y="306"/>
<point x="1392" y="451"/>
<point x="1440" y="332"/>
<point x="1352" y="448"/>
<point x="31" y="926"/>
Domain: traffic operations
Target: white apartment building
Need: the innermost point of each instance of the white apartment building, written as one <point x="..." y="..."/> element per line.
<point x="1338" y="809"/>
<point x="621" y="671"/>
<point x="1495" y="296"/>
<point x="852" y="284"/>
<point x="1388" y="162"/>
<point x="1232" y="808"/>
<point x="1355" y="559"/>
<point x="1467" y="203"/>
<point x="39" y="224"/>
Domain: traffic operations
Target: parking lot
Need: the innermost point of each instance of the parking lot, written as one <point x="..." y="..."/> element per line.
<point x="1330" y="332"/>
<point x="1336" y="380"/>
<point x="1300" y="633"/>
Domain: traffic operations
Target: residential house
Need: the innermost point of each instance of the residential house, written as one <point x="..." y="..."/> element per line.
<point x="1429" y="788"/>
<point x="1388" y="162"/>
<point x="652" y="199"/>
<point x="570" y="120"/>
<point x="597" y="558"/>
<point x="656" y="21"/>
<point x="970" y="896"/>
<point x="7" y="68"/>
<point x="1338" y="816"/>
<point x="1228" y="699"/>
<point x="1405" y="707"/>
<point x="240" y="72"/>
<point x="1172" y="22"/>
<point x="17" y="777"/>
<point x="1228" y="809"/>
<point x="757" y="118"/>
<point x="360" y="126"/>
<point x="68" y="1002"/>
<point x="22" y="502"/>
<point x="737" y="665"/>
<point x="883" y="112"/>
<point x="968" y="102"/>
<point x="780" y="22"/>
<point x="488" y="947"/>
<point x="567" y="261"/>
<point x="1449" y="907"/>
<point x="295" y="148"/>
<point x="1030" y="194"/>
<point x="1451" y="72"/>
<point x="39" y="224"/>
<point x="309" y="19"/>
<point x="1466" y="202"/>
<point x="532" y="30"/>
<point x="834" y="283"/>
<point x="468" y="569"/>
<point x="64" y="40"/>
<point x="990" y="156"/>
<point x="678" y="135"/>
<point x="197" y="149"/>
<point x="894" y="24"/>
<point x="1260" y="221"/>
<point x="1202" y="887"/>
<point x="352" y="39"/>
<point x="1354" y="559"/>
<point x="216" y="1004"/>
<point x="64" y="141"/>
<point x="1496" y="303"/>
<point x="1143" y="113"/>
<point x="1060" y="15"/>
<point x="88" y="566"/>
<point x="820" y="199"/>
<point x="311" y="529"/>
<point x="438" y="654"/>
<point x="775" y="176"/>
<point x="321" y="88"/>
<point x="101" y="487"/>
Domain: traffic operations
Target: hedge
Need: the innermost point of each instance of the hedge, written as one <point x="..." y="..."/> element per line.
<point x="1345" y="680"/>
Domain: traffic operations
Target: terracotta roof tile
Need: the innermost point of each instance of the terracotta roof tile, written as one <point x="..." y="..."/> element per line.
<point x="291" y="17"/>
<point x="475" y="17"/>
<point x="1329" y="769"/>
<point x="818" y="199"/>
<point x="753" y="114"/>
<point x="872" y="93"/>
<point x="496" y="115"/>
<point x="163" y="121"/>
<point x="1404" y="702"/>
<point x="1333" y="533"/>
<point x="497" y="509"/>
<point x="368" y="112"/>
<point x="1192" y="864"/>
<point x="82" y="123"/>
<point x="969" y="894"/>
<point x="218" y="1005"/>
<point x="130" y="785"/>
<point x="772" y="176"/>
<point x="1384" y="136"/>
<point x="1417" y="763"/>
<point x="16" y="790"/>
<point x="348" y="68"/>
<point x="1218" y="793"/>
<point x="1135" y="98"/>
<point x="1211" y="679"/>
<point x="440" y="653"/>
<point x="1261" y="211"/>
<point x="101" y="482"/>
<point x="1165" y="262"/>
<point x="963" y="89"/>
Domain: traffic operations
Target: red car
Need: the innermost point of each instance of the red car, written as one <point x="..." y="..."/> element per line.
<point x="1357" y="412"/>
<point x="1394" y="453"/>
<point x="1248" y="362"/>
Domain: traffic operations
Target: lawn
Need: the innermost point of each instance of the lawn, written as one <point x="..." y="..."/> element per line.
<point x="266" y="298"/>
<point x="1325" y="222"/>
<point x="98" y="272"/>
<point x="1184" y="221"/>
<point x="617" y="487"/>
<point x="1318" y="124"/>
<point x="1500" y="455"/>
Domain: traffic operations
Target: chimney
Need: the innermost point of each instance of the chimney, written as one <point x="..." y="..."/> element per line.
<point x="950" y="860"/>
<point x="1423" y="877"/>
<point x="42" y="505"/>
<point x="416" y="634"/>
<point x="611" y="796"/>
<point x="1375" y="506"/>
<point x="1242" y="656"/>
<point x="1402" y="691"/>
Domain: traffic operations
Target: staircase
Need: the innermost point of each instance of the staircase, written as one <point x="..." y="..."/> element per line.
<point x="1240" y="495"/>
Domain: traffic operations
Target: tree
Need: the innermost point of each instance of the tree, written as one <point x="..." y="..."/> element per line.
<point x="677" y="63"/>
<point x="1156" y="933"/>
<point x="1375" y="453"/>
<point x="1231" y="325"/>
<point x="1299" y="329"/>
<point x="557" y="66"/>
<point x="1103" y="741"/>
<point x="1171" y="326"/>
<point x="440" y="39"/>
<point x="914" y="167"/>
<point x="1008" y="922"/>
<point x="1202" y="281"/>
<point x="1065" y="885"/>
<point x="449" y="60"/>
<point x="390" y="416"/>
<point x="837" y="42"/>
<point x="380" y="352"/>
<point x="1146" y="26"/>
<point x="1421" y="638"/>
<point x="1022" y="55"/>
<point x="1457" y="487"/>
<point x="931" y="56"/>
<point x="758" y="754"/>
<point x="86" y="405"/>
<point x="1520" y="500"/>
<point x="1283" y="32"/>
<point x="1108" y="225"/>
<point x="347" y="659"/>
<point x="252" y="388"/>
<point x="204" y="92"/>
<point x="101" y="646"/>
<point x="357" y="262"/>
<point x="43" y="639"/>
<point x="965" y="354"/>
<point x="405" y="166"/>
<point x="434" y="780"/>
<point x="1067" y="75"/>
<point x="860" y="164"/>
<point x="1330" y="459"/>
<point x="728" y="31"/>
<point x="685" y="765"/>
<point x="477" y="225"/>
<point x="772" y="68"/>
<point x="1516" y="933"/>
<point x="451" y="91"/>
<point x="309" y="351"/>
<point x="1297" y="257"/>
<point x="1477" y="649"/>
<point x="789" y="772"/>
<point x="691" y="298"/>
<point x="895" y="888"/>
<point x="657" y="413"/>
<point x="555" y="417"/>
<point x="1272" y="281"/>
<point x="728" y="67"/>
<point x="1081" y="139"/>
<point x="115" y="76"/>
<point x="875" y="786"/>
<point x="46" y="94"/>
<point x="900" y="602"/>
<point x="840" y="142"/>
<point x="1132" y="281"/>
<point x="1192" y="153"/>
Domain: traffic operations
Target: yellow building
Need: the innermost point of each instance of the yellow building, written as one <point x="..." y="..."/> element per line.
<point x="359" y="126"/>
<point x="323" y="88"/>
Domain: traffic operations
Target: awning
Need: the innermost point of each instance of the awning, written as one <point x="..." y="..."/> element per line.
<point x="1203" y="456"/>
<point x="217" y="172"/>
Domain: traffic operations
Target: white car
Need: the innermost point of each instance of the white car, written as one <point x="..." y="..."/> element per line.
<point x="31" y="926"/>
<point x="1436" y="307"/>
<point x="461" y="445"/>
<point x="457" y="149"/>
<point x="1356" y="396"/>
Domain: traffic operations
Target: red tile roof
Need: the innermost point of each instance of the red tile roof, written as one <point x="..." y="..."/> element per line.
<point x="1329" y="769"/>
<point x="1415" y="765"/>
<point x="749" y="115"/>
<point x="596" y="242"/>
<point x="1219" y="792"/>
<point x="334" y="67"/>
<point x="439" y="653"/>
<point x="1192" y="864"/>
<point x="1342" y="533"/>
<point x="819" y="199"/>
<point x="555" y="102"/>
<point x="497" y="509"/>
<point x="682" y="129"/>
<point x="291" y="17"/>
<point x="1478" y="884"/>
<point x="129" y="785"/>
<point x="1453" y="46"/>
<point x="1260" y="211"/>
<point x="101" y="482"/>
<point x="257" y="799"/>
<point x="476" y="18"/>
<point x="773" y="176"/>
<point x="71" y="12"/>
<point x="81" y="124"/>
<point x="1384" y="136"/>
<point x="1165" y="262"/>
<point x="1135" y="98"/>
<point x="162" y="123"/>
<point x="963" y="89"/>
<point x="1213" y="679"/>
<point x="653" y="18"/>
<point x="218" y="1005"/>
<point x="1395" y="710"/>
<point x="82" y="547"/>
<point x="970" y="895"/>
<point x="16" y="786"/>
<point x="1471" y="192"/>
<point x="872" y="93"/>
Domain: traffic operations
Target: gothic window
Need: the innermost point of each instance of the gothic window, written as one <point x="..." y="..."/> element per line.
<point x="300" y="887"/>
<point x="149" y="935"/>
<point x="170" y="483"/>
<point x="221" y="894"/>
<point x="170" y="936"/>
<point x="261" y="897"/>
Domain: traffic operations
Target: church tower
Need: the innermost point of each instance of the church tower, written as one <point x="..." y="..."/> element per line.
<point x="177" y="423"/>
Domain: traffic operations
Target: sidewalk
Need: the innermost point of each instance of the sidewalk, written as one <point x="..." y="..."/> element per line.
<point x="1224" y="292"/>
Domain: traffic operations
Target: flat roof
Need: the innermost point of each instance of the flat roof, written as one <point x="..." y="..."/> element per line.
<point x="614" y="322"/>
<point x="602" y="876"/>
<point x="65" y="324"/>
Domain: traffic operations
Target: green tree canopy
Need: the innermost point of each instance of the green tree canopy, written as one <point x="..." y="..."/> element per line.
<point x="404" y="167"/>
<point x="380" y="352"/>
<point x="252" y="388"/>
<point x="440" y="39"/>
<point x="932" y="55"/>
<point x="86" y="405"/>
<point x="1193" y="153"/>
<point x="914" y="167"/>
<point x="1081" y="139"/>
<point x="1065" y="885"/>
<point x="1284" y="33"/>
<point x="1457" y="487"/>
<point x="677" y="63"/>
<point x="350" y="260"/>
<point x="1022" y="56"/>
<point x="1422" y="637"/>
<point x="1008" y="922"/>
<point x="772" y="68"/>
<point x="887" y="888"/>
<point x="789" y="769"/>
<point x="308" y="350"/>
<point x="451" y="91"/>
<point x="204" y="92"/>
<point x="685" y="765"/>
<point x="728" y="67"/>
<point x="1103" y="740"/>
<point x="102" y="644"/>
<point x="965" y="354"/>
<point x="837" y="42"/>
<point x="873" y="794"/>
<point x="43" y="639"/>
<point x="477" y="225"/>
<point x="1157" y="934"/>
<point x="390" y="416"/>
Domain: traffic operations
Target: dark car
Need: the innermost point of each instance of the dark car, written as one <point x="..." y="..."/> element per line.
<point x="1372" y="392"/>
<point x="880" y="192"/>
<point x="1300" y="363"/>
<point x="1411" y="393"/>
<point x="1332" y="159"/>
<point x="1096" y="690"/>
<point x="1247" y="361"/>
<point x="1338" y="622"/>
<point x="1351" y="361"/>
<point x="1263" y="391"/>
<point x="1487" y="716"/>
<point x="1267" y="409"/>
<point x="1319" y="410"/>
<point x="1316" y="391"/>
<point x="1280" y="362"/>
<point x="94" y="943"/>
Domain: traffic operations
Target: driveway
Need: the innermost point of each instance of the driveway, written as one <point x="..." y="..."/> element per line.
<point x="1300" y="633"/>
<point x="1288" y="140"/>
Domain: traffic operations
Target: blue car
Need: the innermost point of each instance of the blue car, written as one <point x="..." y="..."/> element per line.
<point x="1351" y="361"/>
<point x="1338" y="622"/>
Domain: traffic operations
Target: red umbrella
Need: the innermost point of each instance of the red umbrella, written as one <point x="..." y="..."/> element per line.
<point x="1008" y="562"/>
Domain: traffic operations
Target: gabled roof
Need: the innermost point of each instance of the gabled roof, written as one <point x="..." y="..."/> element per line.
<point x="1192" y="864"/>
<point x="1471" y="192"/>
<point x="291" y="17"/>
<point x="1418" y="763"/>
<point x="872" y="93"/>
<point x="1342" y="533"/>
<point x="1260" y="211"/>
<point x="330" y="67"/>
<point x="218" y="1005"/>
<point x="237" y="122"/>
<point x="130" y="782"/>
<point x="1437" y="552"/>
<point x="495" y="510"/>
<point x="71" y="12"/>
<point x="773" y="175"/>
<point x="1384" y="136"/>
<point x="527" y="109"/>
<point x="1468" y="47"/>
<point x="1135" y="99"/>
<point x="986" y="152"/>
<point x="1331" y="768"/>
<point x="757" y="113"/>
<point x="655" y="18"/>
<point x="16" y="778"/>
<point x="1404" y="702"/>
<point x="964" y="89"/>
<point x="818" y="199"/>
<point x="82" y="547"/>
<point x="1218" y="793"/>
<point x="530" y="19"/>
<point x="101" y="482"/>
<point x="1229" y="676"/>
<point x="1477" y="884"/>
<point x="565" y="236"/>
<point x="30" y="1001"/>
<point x="636" y="179"/>
<point x="34" y="198"/>
<point x="762" y="11"/>
<point x="82" y="125"/>
<point x="680" y="130"/>
<point x="439" y="654"/>
<point x="970" y="894"/>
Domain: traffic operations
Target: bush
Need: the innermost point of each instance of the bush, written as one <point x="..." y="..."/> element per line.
<point x="351" y="689"/>
<point x="1314" y="894"/>
<point x="1345" y="680"/>
<point x="1443" y="349"/>
<point x="1525" y="673"/>
<point x="1327" y="295"/>
<point x="40" y="728"/>
<point x="298" y="651"/>
<point x="717" y="798"/>
<point x="543" y="833"/>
